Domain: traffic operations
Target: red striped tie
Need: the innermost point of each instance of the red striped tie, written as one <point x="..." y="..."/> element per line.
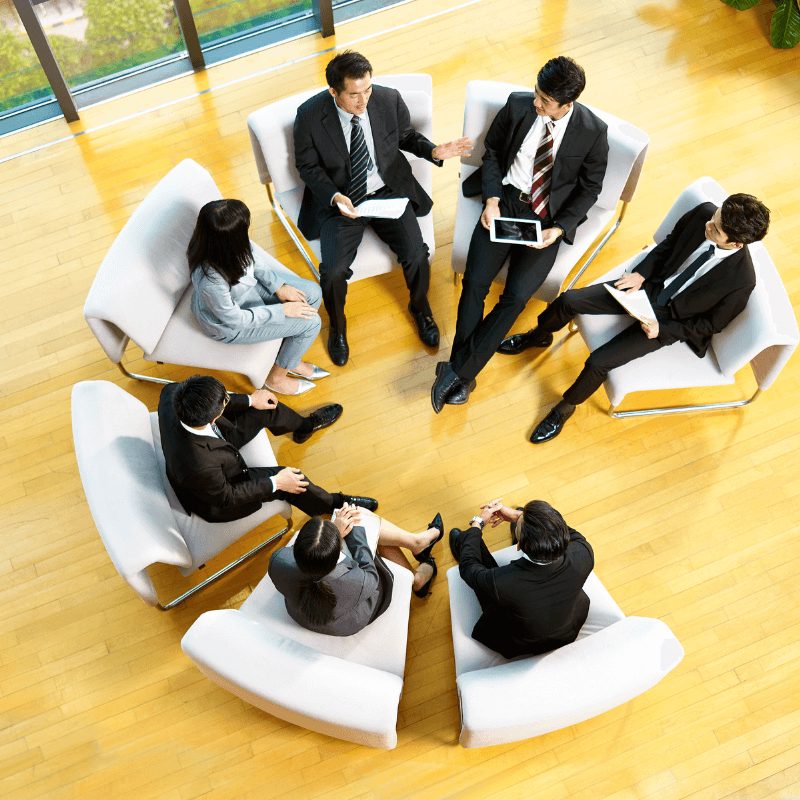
<point x="542" y="170"/>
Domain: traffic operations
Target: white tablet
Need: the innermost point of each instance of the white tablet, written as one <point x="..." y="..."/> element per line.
<point x="516" y="231"/>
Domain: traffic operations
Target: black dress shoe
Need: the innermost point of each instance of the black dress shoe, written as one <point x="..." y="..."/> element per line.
<point x="455" y="543"/>
<point x="316" y="421"/>
<point x="426" y="328"/>
<point x="461" y="393"/>
<point x="370" y="503"/>
<point x="517" y="342"/>
<point x="338" y="349"/>
<point x="437" y="523"/>
<point x="552" y="424"/>
<point x="424" y="590"/>
<point x="446" y="380"/>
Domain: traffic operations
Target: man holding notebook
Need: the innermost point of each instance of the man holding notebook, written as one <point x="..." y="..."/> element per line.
<point x="697" y="281"/>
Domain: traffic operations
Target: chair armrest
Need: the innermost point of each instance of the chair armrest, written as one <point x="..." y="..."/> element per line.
<point x="294" y="682"/>
<point x="533" y="696"/>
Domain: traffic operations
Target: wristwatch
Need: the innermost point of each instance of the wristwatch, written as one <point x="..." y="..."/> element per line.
<point x="476" y="522"/>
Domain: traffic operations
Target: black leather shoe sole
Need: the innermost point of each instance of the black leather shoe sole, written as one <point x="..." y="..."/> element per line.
<point x="321" y="418"/>
<point x="370" y="503"/>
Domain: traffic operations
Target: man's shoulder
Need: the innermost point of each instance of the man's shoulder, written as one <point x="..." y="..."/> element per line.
<point x="315" y="104"/>
<point x="587" y="119"/>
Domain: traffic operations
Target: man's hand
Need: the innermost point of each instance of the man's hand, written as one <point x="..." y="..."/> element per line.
<point x="630" y="282"/>
<point x="549" y="236"/>
<point x="340" y="200"/>
<point x="503" y="514"/>
<point x="291" y="480"/>
<point x="458" y="147"/>
<point x="490" y="509"/>
<point x="650" y="329"/>
<point x="263" y="400"/>
<point x="299" y="309"/>
<point x="346" y="517"/>
<point x="490" y="211"/>
<point x="288" y="294"/>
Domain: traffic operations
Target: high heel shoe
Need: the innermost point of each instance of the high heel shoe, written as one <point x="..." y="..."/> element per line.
<point x="424" y="590"/>
<point x="437" y="523"/>
<point x="317" y="373"/>
<point x="303" y="386"/>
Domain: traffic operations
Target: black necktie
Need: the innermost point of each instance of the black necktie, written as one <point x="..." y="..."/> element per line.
<point x="668" y="292"/>
<point x="360" y="162"/>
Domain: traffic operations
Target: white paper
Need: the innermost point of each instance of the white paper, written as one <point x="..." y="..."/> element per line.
<point x="637" y="303"/>
<point x="392" y="208"/>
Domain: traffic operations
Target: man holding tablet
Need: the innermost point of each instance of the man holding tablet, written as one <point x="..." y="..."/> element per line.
<point x="545" y="161"/>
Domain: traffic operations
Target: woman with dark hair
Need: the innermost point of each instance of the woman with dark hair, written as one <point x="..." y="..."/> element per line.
<point x="332" y="577"/>
<point x="240" y="298"/>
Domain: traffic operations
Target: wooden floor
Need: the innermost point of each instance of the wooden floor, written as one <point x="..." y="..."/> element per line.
<point x="694" y="519"/>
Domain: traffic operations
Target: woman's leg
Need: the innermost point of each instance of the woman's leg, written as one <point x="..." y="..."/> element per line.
<point x="300" y="335"/>
<point x="392" y="536"/>
<point x="394" y="554"/>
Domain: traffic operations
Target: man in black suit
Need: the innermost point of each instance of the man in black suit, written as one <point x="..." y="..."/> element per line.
<point x="697" y="280"/>
<point x="346" y="154"/>
<point x="202" y="428"/>
<point x="545" y="160"/>
<point x="536" y="603"/>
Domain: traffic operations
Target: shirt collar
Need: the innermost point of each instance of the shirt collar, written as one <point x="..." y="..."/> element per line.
<point x="345" y="117"/>
<point x="718" y="251"/>
<point x="206" y="430"/>
<point x="560" y="123"/>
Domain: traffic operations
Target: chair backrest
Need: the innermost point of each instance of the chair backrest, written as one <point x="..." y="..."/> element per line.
<point x="144" y="274"/>
<point x="627" y="144"/>
<point x="765" y="334"/>
<point x="271" y="127"/>
<point x="123" y="483"/>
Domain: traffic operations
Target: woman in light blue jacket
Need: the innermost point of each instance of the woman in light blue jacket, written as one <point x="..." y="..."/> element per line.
<point x="239" y="298"/>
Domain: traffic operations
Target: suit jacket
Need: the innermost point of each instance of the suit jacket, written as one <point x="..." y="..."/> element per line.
<point x="209" y="475"/>
<point x="578" y="169"/>
<point x="322" y="156"/>
<point x="706" y="306"/>
<point x="528" y="608"/>
<point x="354" y="581"/>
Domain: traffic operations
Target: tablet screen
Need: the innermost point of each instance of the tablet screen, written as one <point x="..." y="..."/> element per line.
<point x="516" y="231"/>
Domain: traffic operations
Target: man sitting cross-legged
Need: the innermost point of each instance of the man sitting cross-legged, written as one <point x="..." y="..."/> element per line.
<point x="698" y="280"/>
<point x="202" y="428"/>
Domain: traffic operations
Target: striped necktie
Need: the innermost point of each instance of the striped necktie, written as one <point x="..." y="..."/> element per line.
<point x="542" y="172"/>
<point x="668" y="292"/>
<point x="217" y="431"/>
<point x="360" y="162"/>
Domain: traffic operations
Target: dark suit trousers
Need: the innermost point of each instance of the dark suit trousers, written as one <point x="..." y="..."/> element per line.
<point x="477" y="337"/>
<point x="339" y="241"/>
<point x="627" y="345"/>
<point x="486" y="558"/>
<point x="244" y="427"/>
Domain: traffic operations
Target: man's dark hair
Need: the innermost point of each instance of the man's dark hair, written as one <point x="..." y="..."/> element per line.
<point x="744" y="218"/>
<point x="199" y="399"/>
<point x="562" y="79"/>
<point x="542" y="532"/>
<point x="221" y="241"/>
<point x="346" y="65"/>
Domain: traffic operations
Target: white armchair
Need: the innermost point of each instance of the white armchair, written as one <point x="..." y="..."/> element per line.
<point x="764" y="335"/>
<point x="343" y="686"/>
<point x="273" y="147"/>
<point x="137" y="514"/>
<point x="142" y="290"/>
<point x="626" y="154"/>
<point x="614" y="659"/>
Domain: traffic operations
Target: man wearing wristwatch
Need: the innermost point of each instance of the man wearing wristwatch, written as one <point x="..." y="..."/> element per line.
<point x="535" y="603"/>
<point x="545" y="160"/>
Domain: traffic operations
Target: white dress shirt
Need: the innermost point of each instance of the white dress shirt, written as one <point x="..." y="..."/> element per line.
<point x="374" y="180"/>
<point x="520" y="173"/>
<point x="717" y="257"/>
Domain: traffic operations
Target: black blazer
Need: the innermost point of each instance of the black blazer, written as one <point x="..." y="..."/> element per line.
<point x="531" y="608"/>
<point x="322" y="157"/>
<point x="578" y="170"/>
<point x="712" y="301"/>
<point x="209" y="476"/>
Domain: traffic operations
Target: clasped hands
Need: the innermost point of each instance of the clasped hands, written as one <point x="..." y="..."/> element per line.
<point x="494" y="512"/>
<point x="346" y="518"/>
<point x="294" y="301"/>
